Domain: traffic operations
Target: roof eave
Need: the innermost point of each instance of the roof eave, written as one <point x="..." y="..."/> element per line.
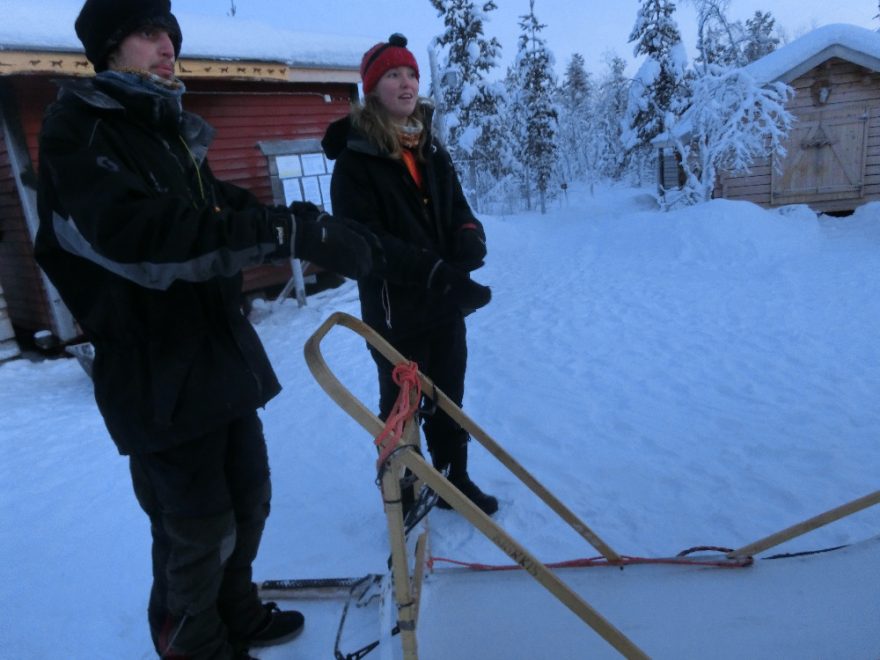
<point x="834" y="50"/>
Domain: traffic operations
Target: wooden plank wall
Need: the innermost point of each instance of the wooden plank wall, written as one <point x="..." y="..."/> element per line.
<point x="851" y="84"/>
<point x="244" y="114"/>
<point x="27" y="304"/>
<point x="8" y="344"/>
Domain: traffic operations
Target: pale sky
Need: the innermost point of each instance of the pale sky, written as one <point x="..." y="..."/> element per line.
<point x="590" y="28"/>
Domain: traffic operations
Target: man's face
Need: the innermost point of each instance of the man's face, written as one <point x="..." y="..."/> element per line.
<point x="146" y="49"/>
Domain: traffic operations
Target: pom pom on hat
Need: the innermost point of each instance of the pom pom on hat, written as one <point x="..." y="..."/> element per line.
<point x="103" y="24"/>
<point x="384" y="56"/>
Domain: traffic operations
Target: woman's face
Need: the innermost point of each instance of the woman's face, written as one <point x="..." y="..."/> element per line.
<point x="398" y="91"/>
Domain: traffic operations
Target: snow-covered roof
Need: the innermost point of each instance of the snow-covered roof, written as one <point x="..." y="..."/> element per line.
<point x="849" y="42"/>
<point x="46" y="26"/>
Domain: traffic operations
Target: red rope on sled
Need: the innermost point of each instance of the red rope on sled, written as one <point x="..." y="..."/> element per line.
<point x="406" y="376"/>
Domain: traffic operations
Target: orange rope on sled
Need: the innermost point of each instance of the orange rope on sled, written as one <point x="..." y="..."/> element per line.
<point x="406" y="376"/>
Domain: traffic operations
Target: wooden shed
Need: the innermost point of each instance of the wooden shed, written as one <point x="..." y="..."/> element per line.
<point x="833" y="150"/>
<point x="270" y="111"/>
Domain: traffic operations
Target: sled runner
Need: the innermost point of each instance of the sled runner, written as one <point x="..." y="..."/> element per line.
<point x="397" y="442"/>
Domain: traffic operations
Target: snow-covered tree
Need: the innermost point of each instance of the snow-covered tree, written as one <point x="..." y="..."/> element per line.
<point x="732" y="122"/>
<point x="658" y="84"/>
<point x="718" y="38"/>
<point x="606" y="148"/>
<point x="760" y="38"/>
<point x="534" y="89"/>
<point x="575" y="97"/>
<point x="503" y="182"/>
<point x="467" y="100"/>
<point x="576" y="83"/>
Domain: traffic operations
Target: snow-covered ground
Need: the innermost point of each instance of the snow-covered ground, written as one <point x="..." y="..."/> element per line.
<point x="702" y="377"/>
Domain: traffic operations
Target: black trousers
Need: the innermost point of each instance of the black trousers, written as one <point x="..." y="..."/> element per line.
<point x="207" y="500"/>
<point x="441" y="354"/>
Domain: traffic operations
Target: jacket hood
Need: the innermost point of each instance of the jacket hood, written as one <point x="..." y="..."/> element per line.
<point x="336" y="137"/>
<point x="196" y="132"/>
<point x="87" y="92"/>
<point x="342" y="134"/>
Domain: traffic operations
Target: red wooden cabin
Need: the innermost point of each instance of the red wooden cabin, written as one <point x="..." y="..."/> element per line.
<point x="269" y="116"/>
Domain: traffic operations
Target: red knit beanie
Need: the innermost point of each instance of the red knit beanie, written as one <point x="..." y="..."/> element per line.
<point x="384" y="56"/>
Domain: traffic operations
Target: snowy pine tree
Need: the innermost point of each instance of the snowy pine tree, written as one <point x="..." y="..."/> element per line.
<point x="760" y="37"/>
<point x="535" y="86"/>
<point x="658" y="84"/>
<point x="606" y="148"/>
<point x="575" y="97"/>
<point x="505" y="181"/>
<point x="468" y="102"/>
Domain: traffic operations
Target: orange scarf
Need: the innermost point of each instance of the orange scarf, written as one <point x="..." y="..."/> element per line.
<point x="409" y="159"/>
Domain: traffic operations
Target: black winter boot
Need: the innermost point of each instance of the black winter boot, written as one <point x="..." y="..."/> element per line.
<point x="278" y="627"/>
<point x="458" y="477"/>
<point x="487" y="503"/>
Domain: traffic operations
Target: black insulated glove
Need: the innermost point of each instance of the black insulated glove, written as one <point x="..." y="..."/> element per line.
<point x="469" y="249"/>
<point x="337" y="244"/>
<point x="458" y="287"/>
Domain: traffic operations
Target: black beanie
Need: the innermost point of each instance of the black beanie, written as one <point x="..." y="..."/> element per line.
<point x="103" y="24"/>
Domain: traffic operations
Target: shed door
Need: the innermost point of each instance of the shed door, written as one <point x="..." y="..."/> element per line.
<point x="825" y="157"/>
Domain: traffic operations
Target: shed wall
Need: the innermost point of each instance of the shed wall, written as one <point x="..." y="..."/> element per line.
<point x="852" y="88"/>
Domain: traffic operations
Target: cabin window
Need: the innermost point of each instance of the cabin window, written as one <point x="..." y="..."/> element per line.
<point x="299" y="172"/>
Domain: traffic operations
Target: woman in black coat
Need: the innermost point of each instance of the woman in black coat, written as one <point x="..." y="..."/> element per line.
<point x="392" y="175"/>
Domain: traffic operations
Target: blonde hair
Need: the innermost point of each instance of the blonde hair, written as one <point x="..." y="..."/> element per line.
<point x="372" y="119"/>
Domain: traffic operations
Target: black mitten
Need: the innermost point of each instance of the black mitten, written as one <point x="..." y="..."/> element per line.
<point x="305" y="211"/>
<point x="469" y="249"/>
<point x="457" y="285"/>
<point x="338" y="244"/>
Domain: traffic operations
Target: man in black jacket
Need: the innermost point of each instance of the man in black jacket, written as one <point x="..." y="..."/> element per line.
<point x="146" y="248"/>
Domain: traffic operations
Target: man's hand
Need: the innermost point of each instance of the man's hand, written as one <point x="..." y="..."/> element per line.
<point x="338" y="244"/>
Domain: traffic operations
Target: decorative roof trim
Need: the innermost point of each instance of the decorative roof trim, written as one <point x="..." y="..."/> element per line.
<point x="18" y="62"/>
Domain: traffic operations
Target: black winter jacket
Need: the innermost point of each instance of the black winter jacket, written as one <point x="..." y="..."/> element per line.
<point x="415" y="229"/>
<point x="146" y="248"/>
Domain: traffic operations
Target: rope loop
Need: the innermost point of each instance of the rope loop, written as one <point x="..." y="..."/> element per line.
<point x="406" y="376"/>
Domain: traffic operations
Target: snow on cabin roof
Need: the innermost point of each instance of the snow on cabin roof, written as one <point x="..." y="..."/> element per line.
<point x="48" y="26"/>
<point x="849" y="42"/>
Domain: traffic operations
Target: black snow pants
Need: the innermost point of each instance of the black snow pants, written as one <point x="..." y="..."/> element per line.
<point x="441" y="354"/>
<point x="208" y="500"/>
